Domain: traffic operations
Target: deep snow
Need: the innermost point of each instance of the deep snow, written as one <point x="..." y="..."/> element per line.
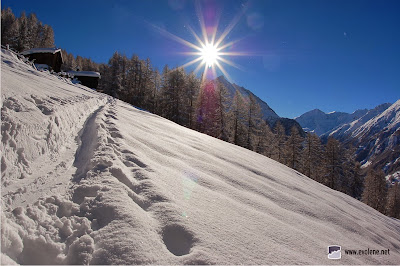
<point x="90" y="179"/>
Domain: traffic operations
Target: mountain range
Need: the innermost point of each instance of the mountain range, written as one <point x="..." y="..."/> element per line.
<point x="374" y="133"/>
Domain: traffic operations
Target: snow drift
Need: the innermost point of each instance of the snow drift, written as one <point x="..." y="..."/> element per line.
<point x="89" y="179"/>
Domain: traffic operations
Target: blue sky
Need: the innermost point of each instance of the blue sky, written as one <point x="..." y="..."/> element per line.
<point x="301" y="55"/>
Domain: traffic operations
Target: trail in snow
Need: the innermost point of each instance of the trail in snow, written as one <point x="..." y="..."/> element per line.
<point x="90" y="179"/>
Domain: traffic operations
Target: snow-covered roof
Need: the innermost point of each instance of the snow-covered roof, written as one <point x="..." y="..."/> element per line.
<point x="85" y="74"/>
<point x="41" y="51"/>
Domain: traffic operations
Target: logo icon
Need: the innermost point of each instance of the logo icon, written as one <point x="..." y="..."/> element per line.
<point x="334" y="252"/>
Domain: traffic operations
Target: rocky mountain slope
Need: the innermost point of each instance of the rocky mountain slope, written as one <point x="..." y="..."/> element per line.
<point x="269" y="115"/>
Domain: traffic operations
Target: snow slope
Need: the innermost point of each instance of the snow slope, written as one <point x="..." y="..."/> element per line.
<point x="89" y="179"/>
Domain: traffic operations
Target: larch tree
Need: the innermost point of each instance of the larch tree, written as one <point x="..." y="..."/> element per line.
<point x="239" y="111"/>
<point x="193" y="88"/>
<point x="22" y="32"/>
<point x="356" y="181"/>
<point x="208" y="108"/>
<point x="154" y="99"/>
<point x="312" y="157"/>
<point x="280" y="140"/>
<point x="393" y="201"/>
<point x="9" y="28"/>
<point x="374" y="193"/>
<point x="174" y="95"/>
<point x="32" y="39"/>
<point x="254" y="118"/>
<point x="222" y="117"/>
<point x="294" y="149"/>
<point x="333" y="161"/>
<point x="265" y="140"/>
<point x="115" y="79"/>
<point x="48" y="37"/>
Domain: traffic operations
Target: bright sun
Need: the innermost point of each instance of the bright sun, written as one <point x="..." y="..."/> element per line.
<point x="209" y="54"/>
<point x="209" y="50"/>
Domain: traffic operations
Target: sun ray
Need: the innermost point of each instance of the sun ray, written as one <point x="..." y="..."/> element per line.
<point x="237" y="53"/>
<point x="201" y="21"/>
<point x="198" y="68"/>
<point x="176" y="38"/>
<point x="220" y="67"/>
<point x="215" y="29"/>
<point x="230" y="27"/>
<point x="196" y="36"/>
<point x="226" y="61"/>
<point x="214" y="71"/>
<point x="191" y="62"/>
<point x="229" y="44"/>
<point x="204" y="74"/>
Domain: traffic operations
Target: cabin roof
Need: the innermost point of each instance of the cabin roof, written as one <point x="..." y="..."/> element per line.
<point x="85" y="74"/>
<point x="41" y="51"/>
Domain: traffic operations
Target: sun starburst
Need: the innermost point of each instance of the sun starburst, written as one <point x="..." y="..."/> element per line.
<point x="210" y="51"/>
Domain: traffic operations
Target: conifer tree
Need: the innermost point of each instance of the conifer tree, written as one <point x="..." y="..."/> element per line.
<point x="154" y="99"/>
<point x="22" y="32"/>
<point x="280" y="140"/>
<point x="393" y="201"/>
<point x="253" y="122"/>
<point x="333" y="158"/>
<point x="174" y="94"/>
<point x="208" y="109"/>
<point x="374" y="193"/>
<point x="312" y="157"/>
<point x="164" y="100"/>
<point x="222" y="116"/>
<point x="115" y="79"/>
<point x="356" y="181"/>
<point x="239" y="117"/>
<point x="48" y="37"/>
<point x="9" y="28"/>
<point x="33" y="34"/>
<point x="294" y="149"/>
<point x="265" y="140"/>
<point x="193" y="87"/>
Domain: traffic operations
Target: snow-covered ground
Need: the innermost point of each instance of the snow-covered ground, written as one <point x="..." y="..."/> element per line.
<point x="90" y="179"/>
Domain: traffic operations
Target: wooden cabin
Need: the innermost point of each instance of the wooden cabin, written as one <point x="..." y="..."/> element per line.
<point x="87" y="78"/>
<point x="45" y="56"/>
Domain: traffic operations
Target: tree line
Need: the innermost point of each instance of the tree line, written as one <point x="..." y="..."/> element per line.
<point x="24" y="32"/>
<point x="209" y="107"/>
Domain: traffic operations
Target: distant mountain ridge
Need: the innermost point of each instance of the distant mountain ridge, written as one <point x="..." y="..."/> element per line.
<point x="351" y="128"/>
<point x="268" y="113"/>
<point x="375" y="133"/>
<point x="320" y="123"/>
